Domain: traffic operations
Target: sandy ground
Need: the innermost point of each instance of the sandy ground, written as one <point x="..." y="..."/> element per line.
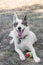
<point x="35" y="20"/>
<point x="12" y="4"/>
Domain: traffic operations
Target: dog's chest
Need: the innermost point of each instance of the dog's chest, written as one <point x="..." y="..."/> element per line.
<point x="29" y="40"/>
<point x="22" y="43"/>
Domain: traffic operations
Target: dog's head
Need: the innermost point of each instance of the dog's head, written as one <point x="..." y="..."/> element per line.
<point x="20" y="25"/>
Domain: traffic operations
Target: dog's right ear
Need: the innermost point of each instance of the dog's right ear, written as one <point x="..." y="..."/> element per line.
<point x="25" y="18"/>
<point x="15" y="18"/>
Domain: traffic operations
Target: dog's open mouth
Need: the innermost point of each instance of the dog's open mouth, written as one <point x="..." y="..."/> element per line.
<point x="20" y="33"/>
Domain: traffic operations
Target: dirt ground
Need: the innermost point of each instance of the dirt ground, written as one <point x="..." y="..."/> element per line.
<point x="8" y="56"/>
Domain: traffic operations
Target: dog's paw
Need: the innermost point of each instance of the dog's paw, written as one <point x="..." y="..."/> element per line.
<point x="37" y="59"/>
<point x="22" y="57"/>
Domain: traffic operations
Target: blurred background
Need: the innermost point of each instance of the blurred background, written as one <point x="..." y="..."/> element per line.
<point x="11" y="4"/>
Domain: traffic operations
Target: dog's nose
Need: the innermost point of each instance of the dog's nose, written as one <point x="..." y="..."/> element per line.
<point x="19" y="28"/>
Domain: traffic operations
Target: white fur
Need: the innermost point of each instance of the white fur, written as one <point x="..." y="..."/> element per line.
<point x="26" y="43"/>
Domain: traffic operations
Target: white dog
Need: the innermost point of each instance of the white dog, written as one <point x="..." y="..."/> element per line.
<point x="23" y="38"/>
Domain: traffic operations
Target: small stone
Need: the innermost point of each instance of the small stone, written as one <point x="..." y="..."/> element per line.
<point x="41" y="43"/>
<point x="1" y="63"/>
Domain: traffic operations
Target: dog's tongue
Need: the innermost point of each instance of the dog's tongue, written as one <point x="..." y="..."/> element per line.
<point x="19" y="33"/>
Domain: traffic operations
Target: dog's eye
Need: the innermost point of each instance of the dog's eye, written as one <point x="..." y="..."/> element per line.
<point x="15" y="24"/>
<point x="25" y="23"/>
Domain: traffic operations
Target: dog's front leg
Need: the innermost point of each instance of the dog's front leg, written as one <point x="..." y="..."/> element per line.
<point x="21" y="55"/>
<point x="37" y="59"/>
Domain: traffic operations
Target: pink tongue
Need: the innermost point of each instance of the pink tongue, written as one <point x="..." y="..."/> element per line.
<point x="20" y="33"/>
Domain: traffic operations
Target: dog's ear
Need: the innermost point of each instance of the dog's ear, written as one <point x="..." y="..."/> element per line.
<point x="25" y="18"/>
<point x="15" y="18"/>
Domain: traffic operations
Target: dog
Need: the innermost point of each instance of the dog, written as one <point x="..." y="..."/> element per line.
<point x="23" y="38"/>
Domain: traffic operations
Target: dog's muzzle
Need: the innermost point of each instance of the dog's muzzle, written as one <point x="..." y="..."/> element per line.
<point x="20" y="32"/>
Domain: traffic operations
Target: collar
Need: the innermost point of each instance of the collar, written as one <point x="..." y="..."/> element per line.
<point x="19" y="39"/>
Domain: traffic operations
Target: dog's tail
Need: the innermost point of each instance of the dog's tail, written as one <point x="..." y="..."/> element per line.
<point x="11" y="41"/>
<point x="11" y="34"/>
